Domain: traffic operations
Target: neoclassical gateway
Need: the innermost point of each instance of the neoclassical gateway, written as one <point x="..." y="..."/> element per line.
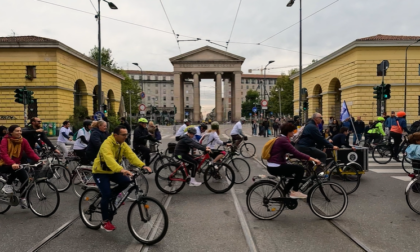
<point x="207" y="63"/>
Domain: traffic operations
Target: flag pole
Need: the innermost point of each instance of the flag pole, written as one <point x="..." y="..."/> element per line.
<point x="351" y="120"/>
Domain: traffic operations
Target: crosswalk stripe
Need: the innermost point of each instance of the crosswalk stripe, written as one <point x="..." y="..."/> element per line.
<point x="166" y="136"/>
<point x="384" y="165"/>
<point x="387" y="170"/>
<point x="403" y="178"/>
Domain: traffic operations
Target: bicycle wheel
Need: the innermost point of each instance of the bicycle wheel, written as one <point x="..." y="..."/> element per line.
<point x="325" y="202"/>
<point x="165" y="176"/>
<point x="147" y="220"/>
<point x="241" y="168"/>
<point x="72" y="165"/>
<point x="142" y="183"/>
<point x="407" y="164"/>
<point x="215" y="179"/>
<point x="90" y="208"/>
<point x="412" y="195"/>
<point x="381" y="154"/>
<point x="247" y="150"/>
<point x="83" y="181"/>
<point x="4" y="207"/>
<point x="258" y="203"/>
<point x="160" y="161"/>
<point x="61" y="177"/>
<point x="348" y="176"/>
<point x="43" y="198"/>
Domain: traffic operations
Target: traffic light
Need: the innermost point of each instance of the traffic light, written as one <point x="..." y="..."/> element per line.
<point x="305" y="105"/>
<point x="20" y="95"/>
<point x="29" y="98"/>
<point x="387" y="91"/>
<point x="105" y="108"/>
<point x="377" y="92"/>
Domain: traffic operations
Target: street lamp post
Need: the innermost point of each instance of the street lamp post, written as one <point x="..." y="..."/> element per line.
<point x="405" y="81"/>
<point x="98" y="16"/>
<point x="265" y="80"/>
<point x="280" y="89"/>
<point x="289" y="4"/>
<point x="129" y="93"/>
<point x="141" y="78"/>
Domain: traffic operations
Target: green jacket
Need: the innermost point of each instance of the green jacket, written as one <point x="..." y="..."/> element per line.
<point x="377" y="130"/>
<point x="111" y="153"/>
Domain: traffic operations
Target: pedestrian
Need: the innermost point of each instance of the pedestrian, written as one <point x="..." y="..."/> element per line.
<point x="254" y="127"/>
<point x="359" y="129"/>
<point x="389" y="122"/>
<point x="260" y="129"/>
<point x="65" y="138"/>
<point x="397" y="131"/>
<point x="265" y="125"/>
<point x="335" y="128"/>
<point x="321" y="127"/>
<point x="385" y="116"/>
<point x="327" y="133"/>
<point x="276" y="125"/>
<point x="331" y="121"/>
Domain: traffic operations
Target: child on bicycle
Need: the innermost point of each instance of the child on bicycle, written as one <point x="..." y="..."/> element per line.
<point x="184" y="147"/>
<point x="213" y="140"/>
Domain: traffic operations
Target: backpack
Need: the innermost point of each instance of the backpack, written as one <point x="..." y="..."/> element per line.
<point x="373" y="125"/>
<point x="295" y="138"/>
<point x="266" y="151"/>
<point x="415" y="127"/>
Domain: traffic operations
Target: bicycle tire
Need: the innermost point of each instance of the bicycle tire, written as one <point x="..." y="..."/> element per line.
<point x="83" y="182"/>
<point x="61" y="178"/>
<point x="90" y="208"/>
<point x="3" y="207"/>
<point x="160" y="161"/>
<point x="163" y="181"/>
<point x="142" y="183"/>
<point x="148" y="234"/>
<point x="43" y="190"/>
<point x="317" y="200"/>
<point x="412" y="195"/>
<point x="276" y="207"/>
<point x="247" y="150"/>
<point x="241" y="168"/>
<point x="213" y="178"/>
<point x="381" y="154"/>
<point x="348" y="176"/>
<point x="407" y="164"/>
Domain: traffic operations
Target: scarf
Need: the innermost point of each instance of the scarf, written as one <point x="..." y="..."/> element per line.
<point x="14" y="147"/>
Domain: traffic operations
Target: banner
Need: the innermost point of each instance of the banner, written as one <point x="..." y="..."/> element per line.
<point x="344" y="112"/>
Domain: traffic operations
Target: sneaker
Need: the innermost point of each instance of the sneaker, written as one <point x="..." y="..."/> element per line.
<point x="297" y="195"/>
<point x="8" y="189"/>
<point x="23" y="203"/>
<point x="195" y="183"/>
<point x="107" y="226"/>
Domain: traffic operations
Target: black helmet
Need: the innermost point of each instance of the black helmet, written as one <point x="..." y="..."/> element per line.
<point x="86" y="123"/>
<point x="204" y="126"/>
<point x="192" y="130"/>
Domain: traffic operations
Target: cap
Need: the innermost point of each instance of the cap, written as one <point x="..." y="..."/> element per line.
<point x="243" y="119"/>
<point x="187" y="120"/>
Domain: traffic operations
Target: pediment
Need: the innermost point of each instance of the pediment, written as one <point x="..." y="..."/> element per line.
<point x="206" y="54"/>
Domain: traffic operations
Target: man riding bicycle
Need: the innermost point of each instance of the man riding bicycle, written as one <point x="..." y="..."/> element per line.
<point x="184" y="147"/>
<point x="376" y="133"/>
<point x="33" y="133"/>
<point x="397" y="131"/>
<point x="141" y="135"/>
<point x="237" y="134"/>
<point x="181" y="131"/>
<point x="106" y="168"/>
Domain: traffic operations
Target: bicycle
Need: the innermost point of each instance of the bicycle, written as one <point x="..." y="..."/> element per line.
<point x="383" y="152"/>
<point x="147" y="218"/>
<point x="171" y="177"/>
<point x="159" y="158"/>
<point x="140" y="179"/>
<point x="58" y="174"/>
<point x="40" y="193"/>
<point x="247" y="150"/>
<point x="239" y="165"/>
<point x="266" y="199"/>
<point x="412" y="191"/>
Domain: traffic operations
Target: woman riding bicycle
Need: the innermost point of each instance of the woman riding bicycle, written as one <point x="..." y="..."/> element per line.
<point x="277" y="166"/>
<point x="106" y="168"/>
<point x="82" y="141"/>
<point x="213" y="140"/>
<point x="11" y="149"/>
<point x="98" y="134"/>
<point x="184" y="147"/>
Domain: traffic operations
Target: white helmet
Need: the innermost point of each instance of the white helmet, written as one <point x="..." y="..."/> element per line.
<point x="186" y="120"/>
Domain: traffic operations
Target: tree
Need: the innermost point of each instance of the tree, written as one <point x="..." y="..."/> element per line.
<point x="251" y="98"/>
<point x="130" y="85"/>
<point x="106" y="57"/>
<point x="284" y="82"/>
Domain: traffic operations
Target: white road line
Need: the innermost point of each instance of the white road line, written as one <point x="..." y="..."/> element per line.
<point x="383" y="165"/>
<point x="388" y="170"/>
<point x="225" y="136"/>
<point x="403" y="178"/>
<point x="166" y="136"/>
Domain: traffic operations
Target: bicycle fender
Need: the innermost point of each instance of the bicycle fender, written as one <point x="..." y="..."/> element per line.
<point x="359" y="167"/>
<point x="260" y="182"/>
<point x="409" y="185"/>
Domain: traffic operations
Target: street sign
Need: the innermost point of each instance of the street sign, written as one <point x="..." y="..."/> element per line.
<point x="142" y="107"/>
<point x="264" y="104"/>
<point x="98" y="115"/>
<point x="142" y="95"/>
<point x="142" y="112"/>
<point x="254" y="109"/>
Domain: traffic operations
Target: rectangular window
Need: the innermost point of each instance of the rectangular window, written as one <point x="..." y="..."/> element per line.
<point x="172" y="98"/>
<point x="156" y="91"/>
<point x="247" y="87"/>
<point x="187" y="99"/>
<point x="164" y="98"/>
<point x="160" y="77"/>
<point x="242" y="81"/>
<point x="157" y="98"/>
<point x="164" y="91"/>
<point x="31" y="71"/>
<point x="172" y="92"/>
<point x="148" y="98"/>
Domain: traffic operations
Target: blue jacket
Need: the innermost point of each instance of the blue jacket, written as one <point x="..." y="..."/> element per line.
<point x="97" y="137"/>
<point x="348" y="125"/>
<point x="390" y="121"/>
<point x="311" y="137"/>
<point x="403" y="123"/>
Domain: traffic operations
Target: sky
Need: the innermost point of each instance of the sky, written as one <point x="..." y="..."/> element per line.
<point x="139" y="31"/>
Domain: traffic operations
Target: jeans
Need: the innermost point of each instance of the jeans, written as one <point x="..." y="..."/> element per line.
<point x="102" y="181"/>
<point x="62" y="147"/>
<point x="289" y="170"/>
<point x="359" y="135"/>
<point x="313" y="152"/>
<point x="265" y="131"/>
<point x="254" y="130"/>
<point x="21" y="175"/>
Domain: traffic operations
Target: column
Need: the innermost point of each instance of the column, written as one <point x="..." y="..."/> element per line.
<point x="196" y="105"/>
<point x="179" y="97"/>
<point x="219" y="103"/>
<point x="236" y="96"/>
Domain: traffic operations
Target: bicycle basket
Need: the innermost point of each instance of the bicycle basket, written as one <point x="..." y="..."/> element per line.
<point x="153" y="147"/>
<point x="171" y="147"/>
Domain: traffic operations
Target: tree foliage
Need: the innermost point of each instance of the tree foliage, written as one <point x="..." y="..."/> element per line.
<point x="251" y="98"/>
<point x="106" y="57"/>
<point x="286" y="84"/>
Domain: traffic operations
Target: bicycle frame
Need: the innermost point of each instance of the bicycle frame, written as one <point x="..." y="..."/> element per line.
<point x="203" y="158"/>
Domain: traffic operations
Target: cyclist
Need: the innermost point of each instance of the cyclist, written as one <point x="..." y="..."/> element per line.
<point x="98" y="134"/>
<point x="82" y="141"/>
<point x="277" y="165"/>
<point x="141" y="135"/>
<point x="33" y="133"/>
<point x="237" y="134"/>
<point x="106" y="168"/>
<point x="341" y="138"/>
<point x="200" y="131"/>
<point x="182" y="150"/>
<point x="181" y="129"/>
<point x="375" y="134"/>
<point x="11" y="150"/>
<point x="213" y="140"/>
<point x="64" y="138"/>
<point x="396" y="132"/>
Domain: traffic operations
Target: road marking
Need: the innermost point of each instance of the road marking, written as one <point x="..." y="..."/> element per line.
<point x="387" y="170"/>
<point x="166" y="136"/>
<point x="225" y="136"/>
<point x="403" y="178"/>
<point x="382" y="165"/>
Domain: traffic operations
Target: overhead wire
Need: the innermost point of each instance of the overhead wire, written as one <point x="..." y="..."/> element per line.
<point x="93" y="5"/>
<point x="175" y="35"/>
<point x="233" y="26"/>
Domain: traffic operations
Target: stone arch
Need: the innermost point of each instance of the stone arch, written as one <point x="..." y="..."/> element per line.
<point x="80" y="93"/>
<point x="111" y="100"/>
<point x="334" y="90"/>
<point x="317" y="98"/>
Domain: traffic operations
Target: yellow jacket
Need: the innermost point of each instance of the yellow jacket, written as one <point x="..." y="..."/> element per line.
<point x="111" y="153"/>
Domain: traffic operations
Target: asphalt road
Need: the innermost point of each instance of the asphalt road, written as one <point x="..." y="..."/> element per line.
<point x="377" y="217"/>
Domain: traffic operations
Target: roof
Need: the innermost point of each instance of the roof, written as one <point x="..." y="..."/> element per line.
<point x="260" y="76"/>
<point x="380" y="37"/>
<point x="209" y="48"/>
<point x="40" y="42"/>
<point x="162" y="73"/>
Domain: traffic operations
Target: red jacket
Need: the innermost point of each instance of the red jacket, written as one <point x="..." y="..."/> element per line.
<point x="25" y="148"/>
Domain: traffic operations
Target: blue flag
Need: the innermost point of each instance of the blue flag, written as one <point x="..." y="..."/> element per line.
<point x="344" y="112"/>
